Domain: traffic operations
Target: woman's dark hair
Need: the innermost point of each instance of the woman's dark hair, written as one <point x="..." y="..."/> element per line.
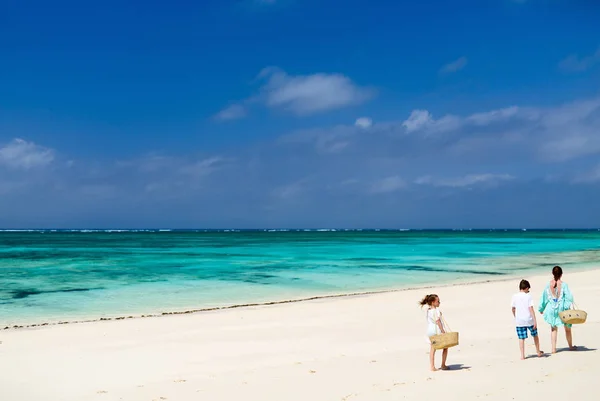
<point x="557" y="272"/>
<point x="428" y="300"/>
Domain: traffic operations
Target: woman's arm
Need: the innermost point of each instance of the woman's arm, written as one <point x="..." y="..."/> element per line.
<point x="568" y="296"/>
<point x="543" y="301"/>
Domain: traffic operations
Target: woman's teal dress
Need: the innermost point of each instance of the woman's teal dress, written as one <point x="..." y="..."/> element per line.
<point x="551" y="306"/>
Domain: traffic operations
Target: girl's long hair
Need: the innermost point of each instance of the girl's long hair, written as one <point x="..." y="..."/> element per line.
<point x="428" y="299"/>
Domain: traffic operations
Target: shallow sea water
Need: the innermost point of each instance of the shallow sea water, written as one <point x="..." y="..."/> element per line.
<point x="49" y="276"/>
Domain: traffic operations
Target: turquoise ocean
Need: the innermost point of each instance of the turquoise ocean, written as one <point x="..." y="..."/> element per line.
<point x="69" y="275"/>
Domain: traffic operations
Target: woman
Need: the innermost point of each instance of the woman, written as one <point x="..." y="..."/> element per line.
<point x="557" y="298"/>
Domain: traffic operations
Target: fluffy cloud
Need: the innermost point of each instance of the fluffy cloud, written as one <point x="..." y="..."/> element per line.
<point x="301" y="94"/>
<point x="574" y="63"/>
<point x="417" y="120"/>
<point x="233" y="112"/>
<point x="309" y="94"/>
<point x="20" y="154"/>
<point x="454" y="66"/>
<point x="363" y="122"/>
<point x="422" y="120"/>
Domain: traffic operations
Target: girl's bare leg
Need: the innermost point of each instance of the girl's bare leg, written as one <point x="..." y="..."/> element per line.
<point x="432" y="358"/>
<point x="444" y="357"/>
<point x="553" y="337"/>
<point x="569" y="335"/>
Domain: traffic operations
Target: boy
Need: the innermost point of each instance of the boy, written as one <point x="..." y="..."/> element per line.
<point x="522" y="309"/>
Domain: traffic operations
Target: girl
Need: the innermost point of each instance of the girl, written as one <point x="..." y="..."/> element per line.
<point x="434" y="326"/>
<point x="557" y="297"/>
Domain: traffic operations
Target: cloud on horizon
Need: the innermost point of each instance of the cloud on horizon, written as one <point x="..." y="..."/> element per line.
<point x="455" y="170"/>
<point x="20" y="154"/>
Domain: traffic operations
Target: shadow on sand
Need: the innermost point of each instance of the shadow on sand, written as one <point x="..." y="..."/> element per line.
<point x="458" y="366"/>
<point x="580" y="348"/>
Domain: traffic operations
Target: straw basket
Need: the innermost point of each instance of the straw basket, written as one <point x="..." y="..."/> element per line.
<point x="573" y="316"/>
<point x="444" y="340"/>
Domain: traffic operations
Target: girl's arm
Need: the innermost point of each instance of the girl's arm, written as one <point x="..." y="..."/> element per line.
<point x="439" y="323"/>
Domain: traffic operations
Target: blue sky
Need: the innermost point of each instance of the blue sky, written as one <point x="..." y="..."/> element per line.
<point x="300" y="113"/>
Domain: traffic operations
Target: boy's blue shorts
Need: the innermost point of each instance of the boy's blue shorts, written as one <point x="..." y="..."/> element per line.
<point x="522" y="332"/>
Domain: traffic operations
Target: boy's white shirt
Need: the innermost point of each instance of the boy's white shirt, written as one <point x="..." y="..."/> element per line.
<point x="522" y="301"/>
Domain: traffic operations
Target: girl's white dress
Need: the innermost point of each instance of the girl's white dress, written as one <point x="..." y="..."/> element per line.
<point x="433" y="315"/>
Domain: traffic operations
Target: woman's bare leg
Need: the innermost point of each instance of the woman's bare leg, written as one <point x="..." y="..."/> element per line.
<point x="569" y="335"/>
<point x="554" y="337"/>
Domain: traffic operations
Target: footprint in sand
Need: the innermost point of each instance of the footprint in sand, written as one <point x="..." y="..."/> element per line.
<point x="179" y="381"/>
<point x="312" y="371"/>
<point x="101" y="392"/>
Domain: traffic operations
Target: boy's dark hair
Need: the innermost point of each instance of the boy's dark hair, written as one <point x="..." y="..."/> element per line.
<point x="523" y="285"/>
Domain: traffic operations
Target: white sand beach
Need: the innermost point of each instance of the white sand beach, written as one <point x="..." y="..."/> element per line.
<point x="370" y="348"/>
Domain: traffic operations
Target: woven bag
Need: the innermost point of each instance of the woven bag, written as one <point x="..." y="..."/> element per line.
<point x="444" y="340"/>
<point x="573" y="316"/>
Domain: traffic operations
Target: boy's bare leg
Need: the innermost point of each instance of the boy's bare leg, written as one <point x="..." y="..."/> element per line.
<point x="536" y="340"/>
<point x="554" y="336"/>
<point x="432" y="358"/>
<point x="569" y="335"/>
<point x="522" y="348"/>
<point x="444" y="357"/>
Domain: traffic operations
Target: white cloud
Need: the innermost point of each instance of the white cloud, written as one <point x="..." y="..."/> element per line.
<point x="20" y="154"/>
<point x="232" y="112"/>
<point x="571" y="131"/>
<point x="493" y="116"/>
<point x="422" y="120"/>
<point x="363" y="122"/>
<point x="388" y="184"/>
<point x="417" y="120"/>
<point x="574" y="63"/>
<point x="464" y="181"/>
<point x="203" y="167"/>
<point x="454" y="66"/>
<point x="310" y="94"/>
<point x="301" y="94"/>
